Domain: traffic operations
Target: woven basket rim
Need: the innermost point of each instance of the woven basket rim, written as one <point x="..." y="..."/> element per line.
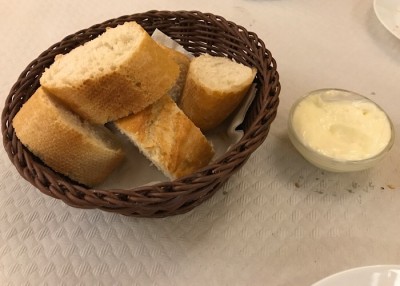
<point x="209" y="178"/>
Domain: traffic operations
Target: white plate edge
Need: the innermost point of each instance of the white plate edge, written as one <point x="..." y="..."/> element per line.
<point x="347" y="271"/>
<point x="382" y="21"/>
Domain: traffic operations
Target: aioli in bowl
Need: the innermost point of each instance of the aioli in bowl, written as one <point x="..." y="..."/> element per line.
<point x="340" y="131"/>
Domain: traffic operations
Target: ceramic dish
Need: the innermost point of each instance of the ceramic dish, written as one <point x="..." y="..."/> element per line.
<point x="377" y="275"/>
<point x="388" y="13"/>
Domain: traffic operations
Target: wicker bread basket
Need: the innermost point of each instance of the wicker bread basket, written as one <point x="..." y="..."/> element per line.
<point x="198" y="33"/>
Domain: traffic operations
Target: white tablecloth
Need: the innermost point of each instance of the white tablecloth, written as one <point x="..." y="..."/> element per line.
<point x="278" y="221"/>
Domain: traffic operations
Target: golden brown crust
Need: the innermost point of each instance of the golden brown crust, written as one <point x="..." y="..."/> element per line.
<point x="63" y="144"/>
<point x="147" y="75"/>
<point x="168" y="138"/>
<point x="177" y="56"/>
<point x="183" y="61"/>
<point x="208" y="108"/>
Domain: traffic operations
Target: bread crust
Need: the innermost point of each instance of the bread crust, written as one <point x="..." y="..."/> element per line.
<point x="183" y="62"/>
<point x="208" y="107"/>
<point x="135" y="84"/>
<point x="47" y="130"/>
<point x="168" y="138"/>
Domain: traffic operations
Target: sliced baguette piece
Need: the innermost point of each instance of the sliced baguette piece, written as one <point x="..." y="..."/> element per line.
<point x="183" y="62"/>
<point x="83" y="152"/>
<point x="118" y="73"/>
<point x="214" y="88"/>
<point x="164" y="134"/>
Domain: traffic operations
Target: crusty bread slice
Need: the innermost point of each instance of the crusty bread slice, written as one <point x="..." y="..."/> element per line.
<point x="214" y="87"/>
<point x="164" y="134"/>
<point x="85" y="153"/>
<point x="118" y="73"/>
<point x="183" y="62"/>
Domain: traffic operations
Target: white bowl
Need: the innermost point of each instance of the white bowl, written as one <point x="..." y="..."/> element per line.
<point x="323" y="159"/>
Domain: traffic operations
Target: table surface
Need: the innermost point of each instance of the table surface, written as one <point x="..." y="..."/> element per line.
<point x="278" y="221"/>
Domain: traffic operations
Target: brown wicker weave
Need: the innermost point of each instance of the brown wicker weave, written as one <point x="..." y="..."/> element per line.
<point x="198" y="33"/>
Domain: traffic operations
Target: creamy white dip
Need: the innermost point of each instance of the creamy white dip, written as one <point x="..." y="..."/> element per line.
<point x="341" y="125"/>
